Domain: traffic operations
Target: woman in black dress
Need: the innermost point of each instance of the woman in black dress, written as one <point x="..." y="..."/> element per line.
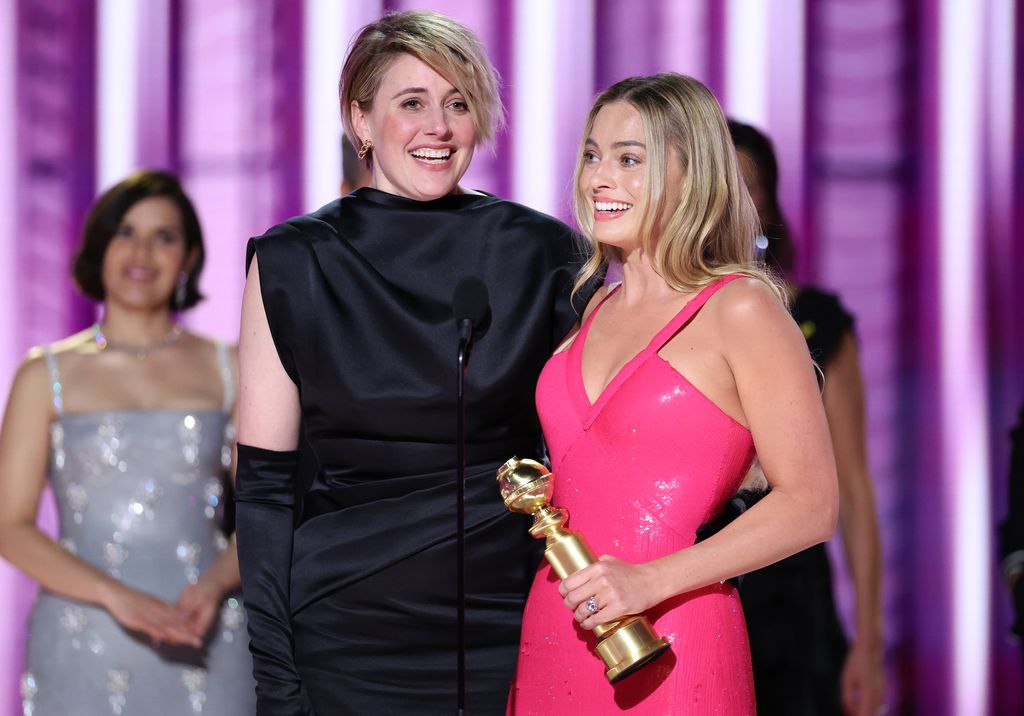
<point x="802" y="663"/>
<point x="346" y="479"/>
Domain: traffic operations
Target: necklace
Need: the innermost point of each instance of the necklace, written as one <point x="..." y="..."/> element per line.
<point x="141" y="352"/>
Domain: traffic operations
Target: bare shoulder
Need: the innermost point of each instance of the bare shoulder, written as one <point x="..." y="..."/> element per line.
<point x="209" y="343"/>
<point x="207" y="348"/>
<point x="32" y="379"/>
<point x="749" y="303"/>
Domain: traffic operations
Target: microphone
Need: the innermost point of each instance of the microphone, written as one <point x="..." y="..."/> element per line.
<point x="472" y="309"/>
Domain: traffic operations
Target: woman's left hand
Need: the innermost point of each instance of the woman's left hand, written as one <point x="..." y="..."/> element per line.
<point x="616" y="588"/>
<point x="199" y="604"/>
<point x="863" y="680"/>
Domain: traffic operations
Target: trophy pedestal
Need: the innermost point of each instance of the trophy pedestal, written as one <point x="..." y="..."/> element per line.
<point x="630" y="645"/>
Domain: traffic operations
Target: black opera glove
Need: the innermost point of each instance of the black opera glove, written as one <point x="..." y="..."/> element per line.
<point x="264" y="527"/>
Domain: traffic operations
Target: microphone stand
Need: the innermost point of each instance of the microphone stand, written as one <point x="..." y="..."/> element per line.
<point x="465" y="331"/>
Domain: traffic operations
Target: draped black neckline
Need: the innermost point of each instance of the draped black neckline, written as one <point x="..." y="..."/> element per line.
<point x="449" y="202"/>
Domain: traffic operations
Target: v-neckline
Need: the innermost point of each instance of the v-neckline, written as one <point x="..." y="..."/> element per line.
<point x="590" y="409"/>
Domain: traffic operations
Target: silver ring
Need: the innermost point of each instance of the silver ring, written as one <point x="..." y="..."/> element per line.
<point x="592" y="606"/>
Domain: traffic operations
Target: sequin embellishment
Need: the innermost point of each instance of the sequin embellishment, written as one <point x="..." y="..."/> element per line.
<point x="231" y="618"/>
<point x="191" y="434"/>
<point x="118" y="683"/>
<point x="77" y="500"/>
<point x="188" y="553"/>
<point x="195" y="682"/>
<point x="28" y="689"/>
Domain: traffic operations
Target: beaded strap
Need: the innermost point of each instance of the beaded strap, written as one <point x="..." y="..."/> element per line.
<point x="57" y="390"/>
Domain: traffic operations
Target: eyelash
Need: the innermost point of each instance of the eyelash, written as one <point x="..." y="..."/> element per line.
<point x="457" y="105"/>
<point x="628" y="160"/>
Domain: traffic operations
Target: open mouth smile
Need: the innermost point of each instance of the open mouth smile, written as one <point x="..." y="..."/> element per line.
<point x="431" y="156"/>
<point x="610" y="209"/>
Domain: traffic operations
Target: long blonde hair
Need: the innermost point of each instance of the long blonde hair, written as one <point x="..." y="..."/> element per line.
<point x="708" y="230"/>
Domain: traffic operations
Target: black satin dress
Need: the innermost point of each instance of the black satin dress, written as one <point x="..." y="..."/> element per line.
<point x="358" y="297"/>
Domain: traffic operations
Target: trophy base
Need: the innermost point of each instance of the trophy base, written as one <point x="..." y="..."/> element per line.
<point x="631" y="646"/>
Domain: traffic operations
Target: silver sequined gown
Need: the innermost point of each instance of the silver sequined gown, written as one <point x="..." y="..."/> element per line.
<point x="139" y="495"/>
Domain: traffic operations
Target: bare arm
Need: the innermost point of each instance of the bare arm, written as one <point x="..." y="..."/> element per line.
<point x="268" y="434"/>
<point x="863" y="676"/>
<point x="268" y="402"/>
<point x="787" y="421"/>
<point x="24" y="447"/>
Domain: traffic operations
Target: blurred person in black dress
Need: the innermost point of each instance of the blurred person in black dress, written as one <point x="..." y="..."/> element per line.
<point x="348" y="567"/>
<point x="1011" y="530"/>
<point x="802" y="662"/>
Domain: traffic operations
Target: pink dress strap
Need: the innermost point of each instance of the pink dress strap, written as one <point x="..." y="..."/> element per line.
<point x="688" y="312"/>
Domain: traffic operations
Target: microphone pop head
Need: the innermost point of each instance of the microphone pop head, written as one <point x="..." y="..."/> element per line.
<point x="471" y="303"/>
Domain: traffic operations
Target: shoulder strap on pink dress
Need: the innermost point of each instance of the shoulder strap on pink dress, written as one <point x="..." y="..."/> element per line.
<point x="688" y="312"/>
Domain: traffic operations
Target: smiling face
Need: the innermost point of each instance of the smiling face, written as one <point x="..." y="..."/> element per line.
<point x="614" y="175"/>
<point x="422" y="132"/>
<point x="145" y="257"/>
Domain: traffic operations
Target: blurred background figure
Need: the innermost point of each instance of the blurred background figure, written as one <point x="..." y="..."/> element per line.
<point x="130" y="421"/>
<point x="802" y="663"/>
<point x="1011" y="530"/>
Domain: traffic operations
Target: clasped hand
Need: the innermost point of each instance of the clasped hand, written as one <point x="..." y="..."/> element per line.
<point x="618" y="588"/>
<point x="186" y="622"/>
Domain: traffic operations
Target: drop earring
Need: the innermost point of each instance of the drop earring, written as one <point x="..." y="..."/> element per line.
<point x="364" y="149"/>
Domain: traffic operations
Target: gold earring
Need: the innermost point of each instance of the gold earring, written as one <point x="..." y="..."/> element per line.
<point x="364" y="149"/>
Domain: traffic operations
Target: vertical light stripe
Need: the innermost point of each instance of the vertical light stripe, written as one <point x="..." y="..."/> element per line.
<point x="1000" y="106"/>
<point x="683" y="47"/>
<point x="962" y="345"/>
<point x="12" y="583"/>
<point x="329" y="28"/>
<point x="747" y="60"/>
<point x="117" y="90"/>
<point x="534" y="99"/>
<point x="787" y="95"/>
<point x="326" y="38"/>
<point x="8" y="195"/>
<point x="575" y="93"/>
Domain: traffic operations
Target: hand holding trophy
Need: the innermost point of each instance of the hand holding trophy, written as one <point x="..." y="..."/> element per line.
<point x="624" y="645"/>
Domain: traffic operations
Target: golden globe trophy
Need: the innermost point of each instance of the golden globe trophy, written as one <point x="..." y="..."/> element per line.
<point x="526" y="486"/>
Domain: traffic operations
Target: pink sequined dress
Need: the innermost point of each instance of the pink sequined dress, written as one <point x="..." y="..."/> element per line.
<point x="639" y="470"/>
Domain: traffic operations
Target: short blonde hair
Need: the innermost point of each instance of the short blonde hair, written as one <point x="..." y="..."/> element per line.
<point x="708" y="230"/>
<point x="449" y="47"/>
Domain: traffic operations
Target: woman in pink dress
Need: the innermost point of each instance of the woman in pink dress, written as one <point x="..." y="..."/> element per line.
<point x="655" y="409"/>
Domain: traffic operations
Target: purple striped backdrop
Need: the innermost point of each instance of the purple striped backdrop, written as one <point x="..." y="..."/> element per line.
<point x="853" y="101"/>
